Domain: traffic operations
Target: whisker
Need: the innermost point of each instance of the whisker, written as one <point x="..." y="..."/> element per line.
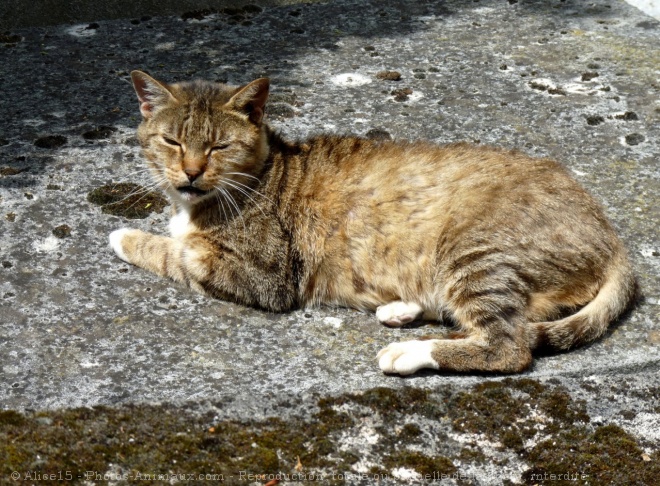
<point x="252" y="189"/>
<point x="231" y="200"/>
<point x="222" y="206"/>
<point x="225" y="181"/>
<point x="244" y="175"/>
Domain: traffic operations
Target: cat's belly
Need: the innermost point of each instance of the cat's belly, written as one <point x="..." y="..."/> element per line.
<point x="364" y="267"/>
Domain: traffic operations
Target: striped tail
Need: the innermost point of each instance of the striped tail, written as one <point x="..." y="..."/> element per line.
<point x="614" y="297"/>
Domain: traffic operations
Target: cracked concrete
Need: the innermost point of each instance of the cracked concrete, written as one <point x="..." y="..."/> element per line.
<point x="573" y="81"/>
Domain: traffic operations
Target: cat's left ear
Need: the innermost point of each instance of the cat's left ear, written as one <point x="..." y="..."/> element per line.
<point x="251" y="99"/>
<point x="152" y="94"/>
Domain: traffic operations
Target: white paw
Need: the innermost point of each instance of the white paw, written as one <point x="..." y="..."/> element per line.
<point x="407" y="357"/>
<point x="115" y="242"/>
<point x="398" y="313"/>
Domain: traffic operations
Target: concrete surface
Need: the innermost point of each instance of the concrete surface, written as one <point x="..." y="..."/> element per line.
<point x="38" y="13"/>
<point x="649" y="7"/>
<point x="34" y="13"/>
<point x="571" y="80"/>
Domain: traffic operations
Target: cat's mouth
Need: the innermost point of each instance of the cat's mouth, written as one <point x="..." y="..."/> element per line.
<point x="190" y="193"/>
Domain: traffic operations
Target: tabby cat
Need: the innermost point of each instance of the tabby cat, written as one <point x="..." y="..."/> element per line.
<point x="509" y="248"/>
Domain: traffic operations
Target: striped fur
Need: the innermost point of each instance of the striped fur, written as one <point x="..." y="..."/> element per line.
<point x="502" y="243"/>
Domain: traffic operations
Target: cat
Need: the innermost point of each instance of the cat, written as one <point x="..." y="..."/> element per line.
<point x="509" y="248"/>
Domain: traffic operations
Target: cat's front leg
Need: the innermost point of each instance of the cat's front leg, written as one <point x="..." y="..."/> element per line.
<point x="158" y="254"/>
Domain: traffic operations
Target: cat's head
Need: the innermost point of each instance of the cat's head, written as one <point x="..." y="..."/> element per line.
<point x="202" y="138"/>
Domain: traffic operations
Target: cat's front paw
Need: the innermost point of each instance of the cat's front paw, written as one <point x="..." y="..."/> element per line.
<point x="116" y="238"/>
<point x="407" y="357"/>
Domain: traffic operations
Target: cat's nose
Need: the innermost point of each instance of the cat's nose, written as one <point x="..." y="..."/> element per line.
<point x="193" y="173"/>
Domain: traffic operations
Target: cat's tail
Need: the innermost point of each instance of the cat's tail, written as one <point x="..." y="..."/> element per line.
<point x="589" y="323"/>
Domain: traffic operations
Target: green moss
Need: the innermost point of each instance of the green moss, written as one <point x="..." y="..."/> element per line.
<point x="532" y="387"/>
<point x="128" y="200"/>
<point x="99" y="133"/>
<point x="472" y="454"/>
<point x="510" y="411"/>
<point x="10" y="417"/>
<point x="50" y="141"/>
<point x="559" y="405"/>
<point x="62" y="231"/>
<point x="410" y="432"/>
<point x="512" y="440"/>
<point x="10" y="171"/>
<point x="488" y="409"/>
<point x="161" y="439"/>
<point x="349" y="457"/>
<point x="8" y="38"/>
<point x="507" y="410"/>
<point x="376" y="470"/>
<point x="389" y="401"/>
<point x="150" y="439"/>
<point x="608" y="455"/>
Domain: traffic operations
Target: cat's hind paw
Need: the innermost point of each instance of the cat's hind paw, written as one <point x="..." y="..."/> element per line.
<point x="407" y="357"/>
<point x="116" y="238"/>
<point x="396" y="314"/>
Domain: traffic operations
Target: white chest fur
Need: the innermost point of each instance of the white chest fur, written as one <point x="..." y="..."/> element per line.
<point x="180" y="224"/>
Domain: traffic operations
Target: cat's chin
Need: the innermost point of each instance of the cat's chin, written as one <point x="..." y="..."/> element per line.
<point x="190" y="195"/>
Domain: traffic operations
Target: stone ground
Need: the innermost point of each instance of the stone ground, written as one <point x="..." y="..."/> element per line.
<point x="107" y="369"/>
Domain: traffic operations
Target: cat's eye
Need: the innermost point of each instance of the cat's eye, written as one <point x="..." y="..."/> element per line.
<point x="220" y="146"/>
<point x="171" y="142"/>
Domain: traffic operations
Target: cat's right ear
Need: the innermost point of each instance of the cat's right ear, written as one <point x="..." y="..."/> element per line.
<point x="152" y="94"/>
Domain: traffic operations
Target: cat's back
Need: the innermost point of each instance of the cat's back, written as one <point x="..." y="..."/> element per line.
<point x="355" y="171"/>
<point x="357" y="190"/>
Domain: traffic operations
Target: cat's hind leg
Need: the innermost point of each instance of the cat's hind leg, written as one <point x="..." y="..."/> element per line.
<point x="472" y="353"/>
<point x="398" y="313"/>
<point x="407" y="357"/>
<point x="489" y="309"/>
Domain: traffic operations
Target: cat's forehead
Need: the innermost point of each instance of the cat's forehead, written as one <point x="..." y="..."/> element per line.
<point x="203" y="92"/>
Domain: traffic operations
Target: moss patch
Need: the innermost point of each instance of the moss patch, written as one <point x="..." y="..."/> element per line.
<point x="147" y="440"/>
<point x="10" y="171"/>
<point x="513" y="411"/>
<point x="50" y="141"/>
<point x="160" y="439"/>
<point x="608" y="455"/>
<point x="128" y="200"/>
<point x="389" y="75"/>
<point x="390" y="402"/>
<point x="62" y="231"/>
<point x="11" y="418"/>
<point x="150" y="440"/>
<point x="8" y="38"/>
<point x="99" y="133"/>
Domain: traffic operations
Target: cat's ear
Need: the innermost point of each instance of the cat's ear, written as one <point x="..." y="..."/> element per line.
<point x="251" y="99"/>
<point x="152" y="94"/>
